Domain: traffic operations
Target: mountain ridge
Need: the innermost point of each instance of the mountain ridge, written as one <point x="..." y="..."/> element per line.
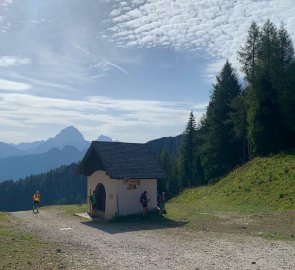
<point x="67" y="136"/>
<point x="16" y="167"/>
<point x="66" y="147"/>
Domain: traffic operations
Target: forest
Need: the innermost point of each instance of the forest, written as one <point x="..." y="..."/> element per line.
<point x="58" y="186"/>
<point x="247" y="116"/>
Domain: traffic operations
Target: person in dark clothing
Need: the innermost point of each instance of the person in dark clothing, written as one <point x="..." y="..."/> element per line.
<point x="161" y="203"/>
<point x="93" y="203"/>
<point x="144" y="202"/>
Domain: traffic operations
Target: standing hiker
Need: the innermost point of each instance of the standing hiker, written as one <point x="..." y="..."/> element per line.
<point x="93" y="203"/>
<point x="161" y="203"/>
<point x="144" y="201"/>
<point x="36" y="200"/>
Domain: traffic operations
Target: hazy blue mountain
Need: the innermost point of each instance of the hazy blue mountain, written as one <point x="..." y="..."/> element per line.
<point x="103" y="138"/>
<point x="20" y="166"/>
<point x="7" y="150"/>
<point x="68" y="136"/>
<point x="24" y="159"/>
<point x="28" y="147"/>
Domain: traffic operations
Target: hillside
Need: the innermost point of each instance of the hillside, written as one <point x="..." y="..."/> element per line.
<point x="171" y="144"/>
<point x="58" y="186"/>
<point x="261" y="185"/>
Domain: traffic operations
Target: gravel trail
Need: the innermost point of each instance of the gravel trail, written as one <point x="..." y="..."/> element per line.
<point x="103" y="245"/>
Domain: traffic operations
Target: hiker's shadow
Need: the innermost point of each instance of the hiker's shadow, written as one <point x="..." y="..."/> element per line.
<point x="133" y="223"/>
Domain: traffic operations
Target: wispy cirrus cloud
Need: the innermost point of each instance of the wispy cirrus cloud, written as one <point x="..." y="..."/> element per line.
<point x="217" y="27"/>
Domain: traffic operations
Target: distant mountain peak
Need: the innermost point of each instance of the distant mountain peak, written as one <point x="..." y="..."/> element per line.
<point x="103" y="138"/>
<point x="70" y="132"/>
<point x="67" y="136"/>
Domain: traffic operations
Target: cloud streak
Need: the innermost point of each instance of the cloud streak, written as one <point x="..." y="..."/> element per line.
<point x="6" y="61"/>
<point x="108" y="115"/>
<point x="13" y="86"/>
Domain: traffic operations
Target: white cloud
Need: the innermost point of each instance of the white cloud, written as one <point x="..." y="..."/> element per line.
<point x="218" y="27"/>
<point x="14" y="86"/>
<point x="4" y="3"/>
<point x="4" y="25"/>
<point x="130" y="117"/>
<point x="13" y="61"/>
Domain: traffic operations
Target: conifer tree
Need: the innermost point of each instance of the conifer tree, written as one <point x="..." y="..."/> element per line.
<point x="220" y="149"/>
<point x="247" y="54"/>
<point x="286" y="85"/>
<point x="286" y="51"/>
<point x="268" y="51"/>
<point x="268" y="97"/>
<point x="189" y="153"/>
<point x="238" y="119"/>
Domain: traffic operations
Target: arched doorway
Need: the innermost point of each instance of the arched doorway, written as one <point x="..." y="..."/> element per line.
<point x="100" y="198"/>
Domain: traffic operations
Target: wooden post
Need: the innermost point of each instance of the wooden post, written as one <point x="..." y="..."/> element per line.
<point x="90" y="202"/>
<point x="118" y="212"/>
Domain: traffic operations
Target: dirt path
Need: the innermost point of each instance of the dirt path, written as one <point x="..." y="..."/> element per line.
<point x="94" y="245"/>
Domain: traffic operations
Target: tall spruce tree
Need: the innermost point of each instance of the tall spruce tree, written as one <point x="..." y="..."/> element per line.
<point x="189" y="154"/>
<point x="267" y="95"/>
<point x="286" y="84"/>
<point x="238" y="119"/>
<point x="286" y="52"/>
<point x="263" y="117"/>
<point x="220" y="150"/>
<point x="268" y="51"/>
<point x="248" y="53"/>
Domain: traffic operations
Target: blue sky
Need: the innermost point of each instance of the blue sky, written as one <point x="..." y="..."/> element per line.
<point x="132" y="70"/>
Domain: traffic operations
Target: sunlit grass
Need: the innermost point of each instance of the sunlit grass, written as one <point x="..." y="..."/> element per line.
<point x="21" y="250"/>
<point x="261" y="185"/>
<point x="69" y="209"/>
<point x="257" y="199"/>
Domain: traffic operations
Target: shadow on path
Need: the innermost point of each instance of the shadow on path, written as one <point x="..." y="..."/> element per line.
<point x="133" y="223"/>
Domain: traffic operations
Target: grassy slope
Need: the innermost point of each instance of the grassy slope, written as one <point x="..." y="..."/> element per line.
<point x="261" y="185"/>
<point x="24" y="251"/>
<point x="257" y="199"/>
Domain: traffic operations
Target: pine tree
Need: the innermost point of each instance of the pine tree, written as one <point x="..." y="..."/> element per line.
<point x="248" y="54"/>
<point x="286" y="85"/>
<point x="263" y="117"/>
<point x="238" y="119"/>
<point x="286" y="51"/>
<point x="188" y="153"/>
<point x="268" y="51"/>
<point x="268" y="96"/>
<point x="220" y="150"/>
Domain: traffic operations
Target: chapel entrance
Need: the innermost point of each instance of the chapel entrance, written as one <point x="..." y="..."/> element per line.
<point x="100" y="197"/>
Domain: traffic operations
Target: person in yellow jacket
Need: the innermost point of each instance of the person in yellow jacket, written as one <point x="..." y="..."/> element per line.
<point x="36" y="200"/>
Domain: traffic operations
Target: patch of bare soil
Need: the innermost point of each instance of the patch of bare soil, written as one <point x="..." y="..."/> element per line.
<point x="104" y="245"/>
<point x="276" y="226"/>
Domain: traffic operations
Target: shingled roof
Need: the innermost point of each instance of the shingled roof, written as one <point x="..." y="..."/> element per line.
<point x="121" y="161"/>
